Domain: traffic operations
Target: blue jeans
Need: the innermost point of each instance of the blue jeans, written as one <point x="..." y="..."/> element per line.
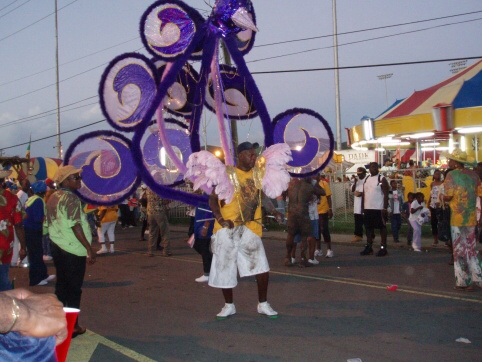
<point x="396" y="223"/>
<point x="15" y="347"/>
<point x="5" y="283"/>
<point x="46" y="245"/>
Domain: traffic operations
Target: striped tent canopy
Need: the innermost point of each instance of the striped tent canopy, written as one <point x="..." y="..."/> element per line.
<point x="462" y="90"/>
<point x="38" y="168"/>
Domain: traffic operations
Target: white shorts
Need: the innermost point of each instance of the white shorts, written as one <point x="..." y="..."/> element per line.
<point x="233" y="250"/>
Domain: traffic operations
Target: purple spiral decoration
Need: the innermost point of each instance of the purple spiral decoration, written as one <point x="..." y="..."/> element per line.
<point x="168" y="27"/>
<point x="127" y="90"/>
<point x="309" y="151"/>
<point x="237" y="98"/>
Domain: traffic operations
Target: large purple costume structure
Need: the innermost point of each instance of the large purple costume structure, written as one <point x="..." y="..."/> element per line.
<point x="134" y="90"/>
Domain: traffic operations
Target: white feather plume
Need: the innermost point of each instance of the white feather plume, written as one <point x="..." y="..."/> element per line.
<point x="206" y="171"/>
<point x="276" y="178"/>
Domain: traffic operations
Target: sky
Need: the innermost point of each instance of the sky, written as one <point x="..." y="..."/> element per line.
<point x="93" y="32"/>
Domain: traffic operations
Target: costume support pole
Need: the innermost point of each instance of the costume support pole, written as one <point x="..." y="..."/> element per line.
<point x="59" y="144"/>
<point x="337" y="81"/>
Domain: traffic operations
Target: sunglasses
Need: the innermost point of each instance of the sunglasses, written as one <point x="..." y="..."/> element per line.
<point x="75" y="178"/>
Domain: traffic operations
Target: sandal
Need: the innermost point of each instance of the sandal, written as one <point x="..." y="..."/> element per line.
<point x="470" y="288"/>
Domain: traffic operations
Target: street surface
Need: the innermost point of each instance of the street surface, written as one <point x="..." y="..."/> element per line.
<point x="138" y="308"/>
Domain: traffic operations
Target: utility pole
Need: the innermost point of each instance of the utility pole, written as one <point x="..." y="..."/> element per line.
<point x="337" y="80"/>
<point x="384" y="77"/>
<point x="59" y="144"/>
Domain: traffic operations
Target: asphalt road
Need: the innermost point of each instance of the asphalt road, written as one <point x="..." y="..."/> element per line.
<point x="138" y="308"/>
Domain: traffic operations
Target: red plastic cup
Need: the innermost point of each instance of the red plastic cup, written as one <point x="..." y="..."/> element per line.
<point x="392" y="288"/>
<point x="63" y="348"/>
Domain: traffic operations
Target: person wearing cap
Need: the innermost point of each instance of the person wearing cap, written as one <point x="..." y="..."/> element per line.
<point x="375" y="209"/>
<point x="10" y="220"/>
<point x="357" y="189"/>
<point x="236" y="243"/>
<point x="33" y="226"/>
<point x="71" y="239"/>
<point x="462" y="187"/>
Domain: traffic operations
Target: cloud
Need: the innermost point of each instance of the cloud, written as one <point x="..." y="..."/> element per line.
<point x="93" y="113"/>
<point x="34" y="111"/>
<point x="7" y="117"/>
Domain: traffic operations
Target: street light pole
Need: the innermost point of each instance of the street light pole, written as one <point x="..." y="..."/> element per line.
<point x="59" y="144"/>
<point x="384" y="77"/>
<point x="337" y="79"/>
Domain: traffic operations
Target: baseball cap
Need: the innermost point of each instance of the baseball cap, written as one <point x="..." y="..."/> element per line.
<point x="246" y="146"/>
<point x="361" y="170"/>
<point x="39" y="187"/>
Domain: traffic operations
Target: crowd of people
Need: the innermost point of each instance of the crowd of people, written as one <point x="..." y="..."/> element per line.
<point x="51" y="223"/>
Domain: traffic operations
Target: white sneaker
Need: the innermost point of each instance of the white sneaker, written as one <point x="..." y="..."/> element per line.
<point x="228" y="309"/>
<point x="43" y="282"/>
<point x="102" y="251"/>
<point x="265" y="308"/>
<point x="202" y="279"/>
<point x="293" y="260"/>
<point x="329" y="253"/>
<point x="111" y="249"/>
<point x="318" y="252"/>
<point x="314" y="261"/>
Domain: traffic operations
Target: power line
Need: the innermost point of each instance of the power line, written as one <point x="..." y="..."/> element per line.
<point x="70" y="61"/>
<point x="47" y="113"/>
<point x="35" y="22"/>
<point x="283" y="71"/>
<point x="262" y="45"/>
<point x="365" y="66"/>
<point x="268" y="58"/>
<point x="47" y="137"/>
<point x="369" y="29"/>
<point x="13" y="8"/>
<point x="362" y="41"/>
<point x="6" y="6"/>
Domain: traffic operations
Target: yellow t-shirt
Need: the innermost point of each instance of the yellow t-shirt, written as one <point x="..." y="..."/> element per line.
<point x="110" y="214"/>
<point x="245" y="205"/>
<point x="323" y="206"/>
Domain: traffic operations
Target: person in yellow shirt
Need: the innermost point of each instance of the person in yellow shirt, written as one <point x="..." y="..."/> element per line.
<point x="236" y="242"/>
<point x="107" y="215"/>
<point x="325" y="213"/>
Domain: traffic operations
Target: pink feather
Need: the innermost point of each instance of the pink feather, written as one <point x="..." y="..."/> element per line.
<point x="206" y="171"/>
<point x="276" y="178"/>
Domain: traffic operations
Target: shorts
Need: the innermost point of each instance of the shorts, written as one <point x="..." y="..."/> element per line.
<point x="237" y="249"/>
<point x="373" y="219"/>
<point x="314" y="232"/>
<point x="298" y="224"/>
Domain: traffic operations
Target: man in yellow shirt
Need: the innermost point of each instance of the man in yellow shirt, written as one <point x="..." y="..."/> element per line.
<point x="325" y="213"/>
<point x="236" y="242"/>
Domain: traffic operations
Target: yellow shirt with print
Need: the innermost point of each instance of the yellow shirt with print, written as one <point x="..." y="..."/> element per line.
<point x="110" y="214"/>
<point x="245" y="205"/>
<point x="323" y="206"/>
